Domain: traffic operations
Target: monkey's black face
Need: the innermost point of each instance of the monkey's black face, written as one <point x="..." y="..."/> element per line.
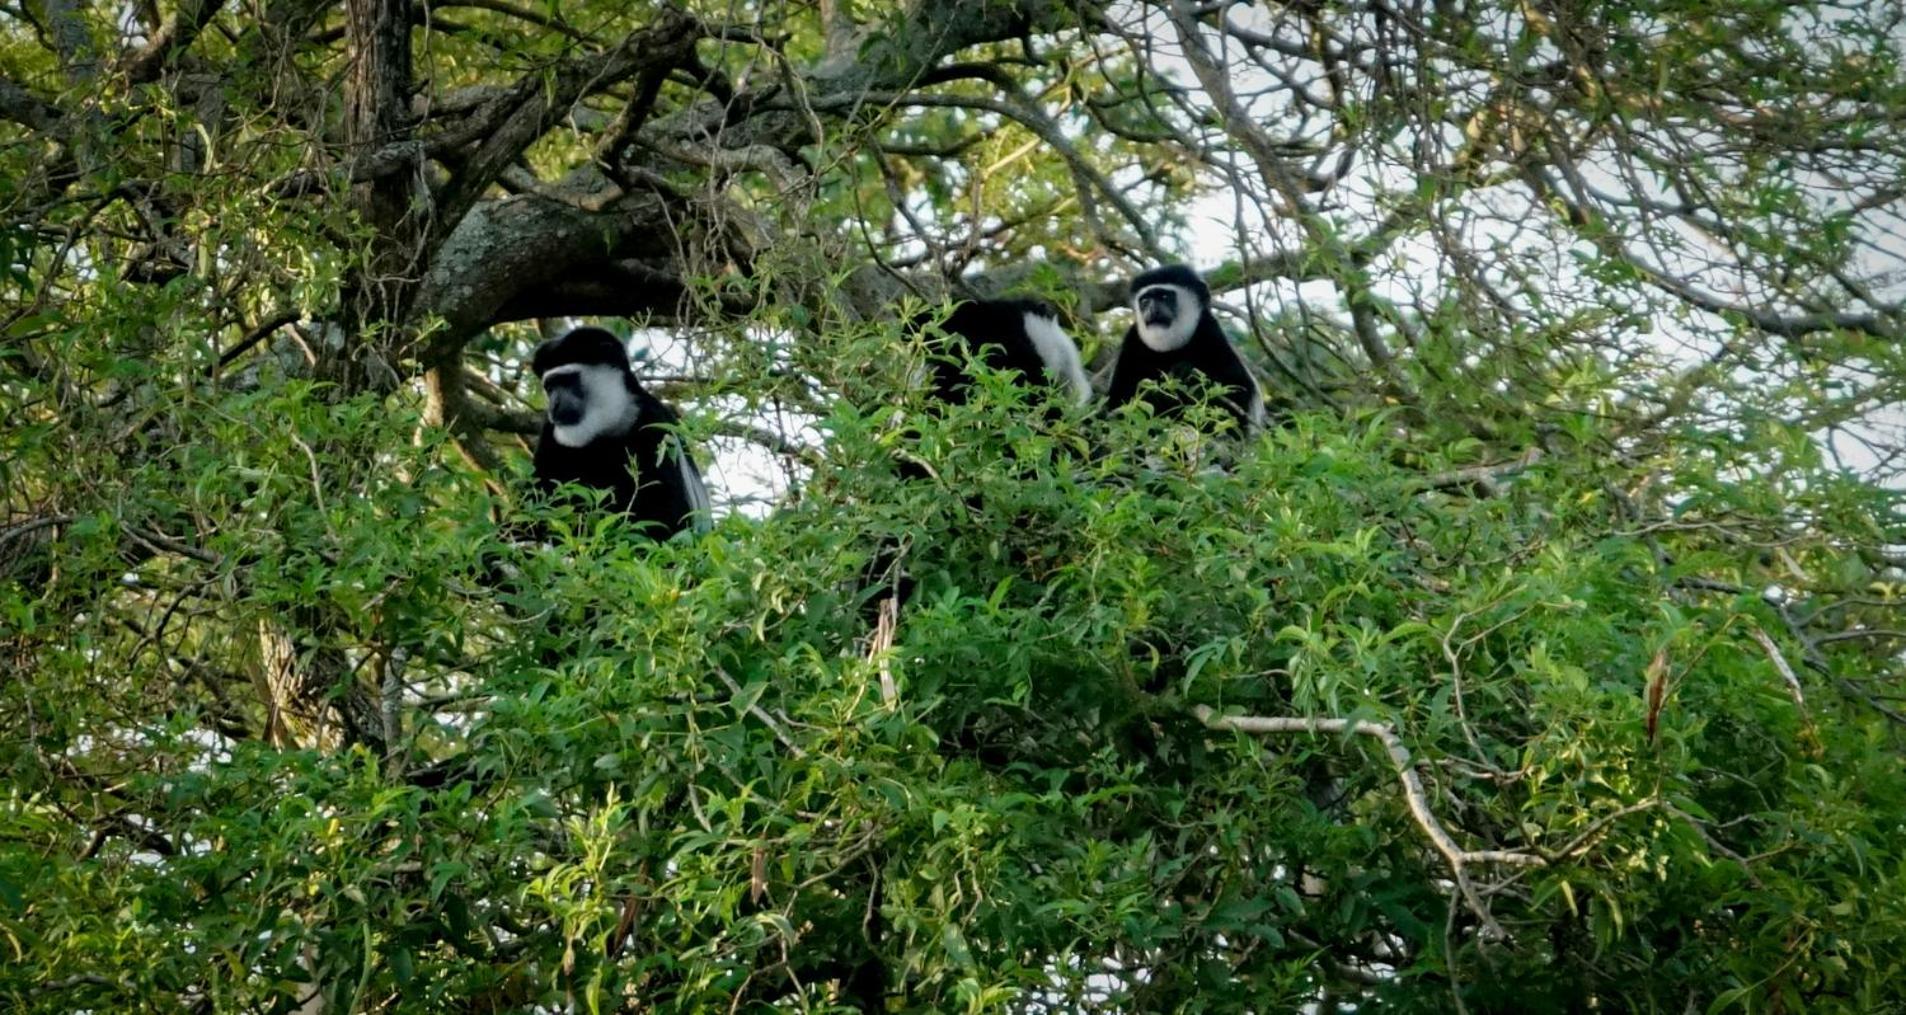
<point x="567" y="402"/>
<point x="591" y="391"/>
<point x="1168" y="315"/>
<point x="1158" y="306"/>
<point x="589" y="401"/>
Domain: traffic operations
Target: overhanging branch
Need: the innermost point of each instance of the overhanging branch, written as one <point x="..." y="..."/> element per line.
<point x="1881" y="325"/>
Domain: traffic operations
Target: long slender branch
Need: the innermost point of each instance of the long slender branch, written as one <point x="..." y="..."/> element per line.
<point x="521" y="13"/>
<point x="1458" y="858"/>
<point x="256" y="335"/>
<point x="1486" y="478"/>
<point x="1413" y="792"/>
<point x="11" y="533"/>
<point x="1023" y="112"/>
<point x="762" y="714"/>
<point x="1882" y="325"/>
<point x="1282" y="178"/>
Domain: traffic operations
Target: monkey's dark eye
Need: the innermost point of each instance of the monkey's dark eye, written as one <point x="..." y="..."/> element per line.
<point x="562" y="382"/>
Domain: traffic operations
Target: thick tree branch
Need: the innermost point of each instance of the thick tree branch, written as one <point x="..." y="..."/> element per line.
<point x="892" y="55"/>
<point x="172" y="38"/>
<point x="899" y="53"/>
<point x="376" y="100"/>
<point x="528" y="257"/>
<point x="66" y="24"/>
<point x="540" y="100"/>
<point x="28" y="110"/>
<point x="516" y="258"/>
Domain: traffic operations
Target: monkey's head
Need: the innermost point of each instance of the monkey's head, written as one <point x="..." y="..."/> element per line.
<point x="591" y="391"/>
<point x="1168" y="303"/>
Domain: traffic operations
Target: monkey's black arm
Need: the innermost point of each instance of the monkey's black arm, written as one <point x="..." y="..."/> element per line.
<point x="1222" y="364"/>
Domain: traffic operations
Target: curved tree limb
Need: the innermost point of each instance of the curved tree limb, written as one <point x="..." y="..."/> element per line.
<point x="539" y="100"/>
<point x="172" y="38"/>
<point x="1413" y="792"/>
<point x="1414" y="796"/>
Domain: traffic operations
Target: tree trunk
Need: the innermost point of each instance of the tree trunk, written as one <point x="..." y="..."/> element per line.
<point x="376" y="301"/>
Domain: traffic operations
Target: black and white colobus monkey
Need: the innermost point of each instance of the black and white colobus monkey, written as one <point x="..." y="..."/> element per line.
<point x="1175" y="336"/>
<point x="1022" y="335"/>
<point x="1007" y="334"/>
<point x="602" y="430"/>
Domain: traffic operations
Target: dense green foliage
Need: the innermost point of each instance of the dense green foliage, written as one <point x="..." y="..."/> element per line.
<point x="291" y="721"/>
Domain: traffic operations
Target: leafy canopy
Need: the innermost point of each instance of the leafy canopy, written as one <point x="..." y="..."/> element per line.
<point x="1544" y="657"/>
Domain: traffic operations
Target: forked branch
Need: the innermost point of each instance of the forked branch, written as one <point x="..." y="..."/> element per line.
<point x="1413" y="791"/>
<point x="1457" y="857"/>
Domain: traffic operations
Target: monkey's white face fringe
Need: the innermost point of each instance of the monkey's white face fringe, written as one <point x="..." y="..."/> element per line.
<point x="607" y="406"/>
<point x="1061" y="355"/>
<point x="1172" y="335"/>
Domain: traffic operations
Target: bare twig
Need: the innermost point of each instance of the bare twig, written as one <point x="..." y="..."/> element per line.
<point x="1485" y="478"/>
<point x="880" y="647"/>
<point x="1595" y="828"/>
<point x="1790" y="678"/>
<point x="1712" y="843"/>
<point x="1414" y="795"/>
<point x="754" y="709"/>
<point x="1347" y="273"/>
<point x="1413" y="791"/>
<point x="1786" y="671"/>
<point x="1481" y="759"/>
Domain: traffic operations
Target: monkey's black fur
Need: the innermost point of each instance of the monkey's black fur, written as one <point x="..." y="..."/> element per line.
<point x="994" y="331"/>
<point x="1020" y="335"/>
